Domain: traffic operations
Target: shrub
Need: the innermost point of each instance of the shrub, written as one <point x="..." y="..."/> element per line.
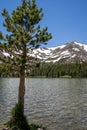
<point x="18" y="120"/>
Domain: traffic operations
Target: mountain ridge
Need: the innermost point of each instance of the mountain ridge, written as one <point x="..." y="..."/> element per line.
<point x="68" y="53"/>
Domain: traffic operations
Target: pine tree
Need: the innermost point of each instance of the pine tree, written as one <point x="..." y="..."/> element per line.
<point x="24" y="33"/>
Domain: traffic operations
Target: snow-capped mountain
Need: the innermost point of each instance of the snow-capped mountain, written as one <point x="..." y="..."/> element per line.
<point x="69" y="52"/>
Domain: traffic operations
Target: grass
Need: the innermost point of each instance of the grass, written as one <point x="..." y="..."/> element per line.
<point x="18" y="120"/>
<point x="66" y="76"/>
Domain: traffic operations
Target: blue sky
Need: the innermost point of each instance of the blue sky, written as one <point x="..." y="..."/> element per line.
<point x="66" y="19"/>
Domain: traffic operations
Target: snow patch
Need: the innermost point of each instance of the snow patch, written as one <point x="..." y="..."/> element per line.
<point x="65" y="52"/>
<point x="61" y="46"/>
<point x="6" y="54"/>
<point x="76" y="49"/>
<point x="85" y="47"/>
<point x="78" y="43"/>
<point x="73" y="56"/>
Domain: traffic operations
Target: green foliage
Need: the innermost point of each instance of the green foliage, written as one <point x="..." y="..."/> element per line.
<point x="24" y="25"/>
<point x="23" y="31"/>
<point x="1" y="36"/>
<point x="49" y="70"/>
<point x="34" y="127"/>
<point x="18" y="121"/>
<point x="57" y="70"/>
<point x="66" y="76"/>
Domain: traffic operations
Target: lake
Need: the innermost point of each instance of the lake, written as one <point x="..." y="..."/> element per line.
<point x="57" y="104"/>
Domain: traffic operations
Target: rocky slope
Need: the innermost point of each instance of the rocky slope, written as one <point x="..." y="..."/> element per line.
<point x="70" y="52"/>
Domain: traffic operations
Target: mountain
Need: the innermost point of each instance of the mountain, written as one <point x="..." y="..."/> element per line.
<point x="67" y="53"/>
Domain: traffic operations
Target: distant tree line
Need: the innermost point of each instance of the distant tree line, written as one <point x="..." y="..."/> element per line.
<point x="56" y="70"/>
<point x="49" y="70"/>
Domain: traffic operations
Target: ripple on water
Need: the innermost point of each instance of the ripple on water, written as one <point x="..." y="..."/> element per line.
<point x="58" y="104"/>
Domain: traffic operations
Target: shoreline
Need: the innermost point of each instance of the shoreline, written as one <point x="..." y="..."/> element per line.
<point x="4" y="127"/>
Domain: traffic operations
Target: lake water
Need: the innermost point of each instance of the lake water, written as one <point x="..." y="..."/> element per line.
<point x="57" y="104"/>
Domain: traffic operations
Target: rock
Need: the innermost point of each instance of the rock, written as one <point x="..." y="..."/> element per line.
<point x="5" y="128"/>
<point x="39" y="129"/>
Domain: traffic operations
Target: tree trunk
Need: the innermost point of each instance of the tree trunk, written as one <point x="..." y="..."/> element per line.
<point x="22" y="78"/>
<point x="21" y="91"/>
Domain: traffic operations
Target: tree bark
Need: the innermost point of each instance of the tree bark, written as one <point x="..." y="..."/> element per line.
<point x="21" y="91"/>
<point x="22" y="78"/>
